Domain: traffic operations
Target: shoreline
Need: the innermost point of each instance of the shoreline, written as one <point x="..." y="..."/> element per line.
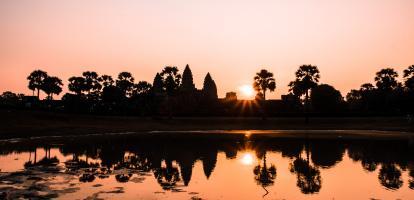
<point x="248" y="134"/>
<point x="26" y="124"/>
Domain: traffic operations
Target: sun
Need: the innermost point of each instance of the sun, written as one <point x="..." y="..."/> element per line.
<point x="247" y="159"/>
<point x="247" y="91"/>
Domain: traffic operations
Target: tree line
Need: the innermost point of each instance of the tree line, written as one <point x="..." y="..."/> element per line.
<point x="172" y="93"/>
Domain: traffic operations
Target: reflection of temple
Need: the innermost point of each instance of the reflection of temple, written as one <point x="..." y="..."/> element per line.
<point x="171" y="158"/>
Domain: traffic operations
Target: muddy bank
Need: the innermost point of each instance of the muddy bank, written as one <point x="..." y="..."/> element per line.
<point x="31" y="123"/>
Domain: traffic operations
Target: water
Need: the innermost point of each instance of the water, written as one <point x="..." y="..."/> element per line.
<point x="207" y="166"/>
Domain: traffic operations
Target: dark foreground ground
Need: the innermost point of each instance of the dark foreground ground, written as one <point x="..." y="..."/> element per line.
<point x="16" y="124"/>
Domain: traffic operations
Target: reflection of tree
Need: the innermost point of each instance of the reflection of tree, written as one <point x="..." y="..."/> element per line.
<point x="390" y="176"/>
<point x="45" y="161"/>
<point x="111" y="155"/>
<point x="167" y="176"/>
<point x="411" y="181"/>
<point x="136" y="162"/>
<point x="326" y="153"/>
<point x="369" y="165"/>
<point x="309" y="178"/>
<point x="264" y="175"/>
<point x="30" y="163"/>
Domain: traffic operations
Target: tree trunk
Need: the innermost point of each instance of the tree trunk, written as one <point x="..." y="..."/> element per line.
<point x="307" y="107"/>
<point x="38" y="94"/>
<point x="264" y="105"/>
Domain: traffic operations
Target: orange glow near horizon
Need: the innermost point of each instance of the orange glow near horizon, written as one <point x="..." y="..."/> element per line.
<point x="348" y="40"/>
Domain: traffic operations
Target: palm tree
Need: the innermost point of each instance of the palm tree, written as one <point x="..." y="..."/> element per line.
<point x="36" y="79"/>
<point x="106" y="80"/>
<point x="92" y="81"/>
<point x="171" y="82"/>
<point x="307" y="77"/>
<point x="125" y="82"/>
<point x="52" y="85"/>
<point x="171" y="79"/>
<point x="264" y="81"/>
<point x="386" y="79"/>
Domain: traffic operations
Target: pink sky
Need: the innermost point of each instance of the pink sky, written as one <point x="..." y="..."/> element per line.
<point x="348" y="40"/>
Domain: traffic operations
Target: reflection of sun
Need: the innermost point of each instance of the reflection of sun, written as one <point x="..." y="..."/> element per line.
<point x="247" y="91"/>
<point x="247" y="134"/>
<point x="247" y="159"/>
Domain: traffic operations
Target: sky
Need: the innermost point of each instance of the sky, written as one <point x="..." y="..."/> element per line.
<point x="348" y="40"/>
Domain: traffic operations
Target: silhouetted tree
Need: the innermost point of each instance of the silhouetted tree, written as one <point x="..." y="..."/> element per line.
<point x="52" y="85"/>
<point x="107" y="80"/>
<point x="386" y="79"/>
<point x="264" y="81"/>
<point x="325" y="98"/>
<point x="10" y="99"/>
<point x="157" y="94"/>
<point x="187" y="82"/>
<point x="142" y="88"/>
<point x="209" y="88"/>
<point x="409" y="89"/>
<point x="363" y="98"/>
<point x="367" y="87"/>
<point x="307" y="77"/>
<point x="171" y="80"/>
<point x="125" y="83"/>
<point x="76" y="85"/>
<point x="389" y="93"/>
<point x="354" y="98"/>
<point x="36" y="80"/>
<point x="92" y="82"/>
<point x="409" y="78"/>
<point x="112" y="95"/>
<point x="141" y="98"/>
<point x="158" y="85"/>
